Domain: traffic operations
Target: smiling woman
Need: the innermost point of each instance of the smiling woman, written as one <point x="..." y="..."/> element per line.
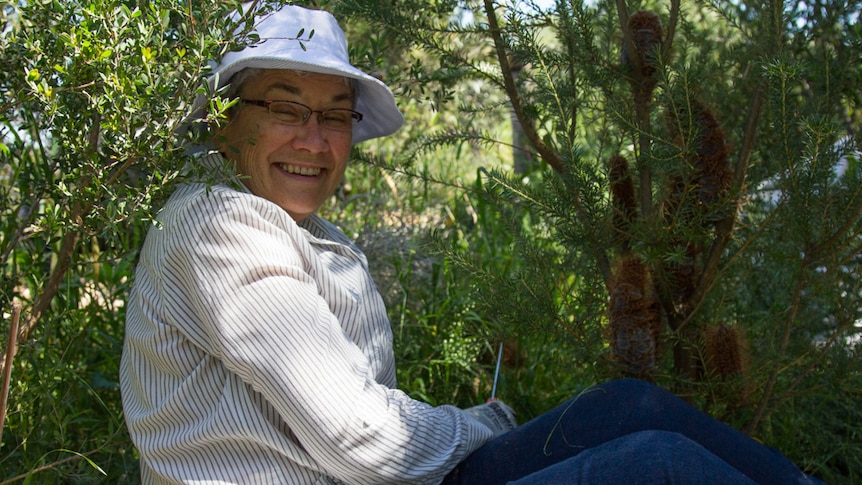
<point x="257" y="347"/>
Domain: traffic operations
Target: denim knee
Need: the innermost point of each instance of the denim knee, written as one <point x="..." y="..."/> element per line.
<point x="648" y="396"/>
<point x="647" y="457"/>
<point x="629" y="385"/>
<point x="657" y="441"/>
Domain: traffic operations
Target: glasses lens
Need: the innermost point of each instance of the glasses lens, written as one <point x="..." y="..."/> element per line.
<point x="338" y="119"/>
<point x="293" y="113"/>
<point x="290" y="112"/>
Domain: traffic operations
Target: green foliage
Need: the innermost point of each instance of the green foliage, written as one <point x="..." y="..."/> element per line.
<point x="737" y="126"/>
<point x="65" y="415"/>
<point x="93" y="93"/>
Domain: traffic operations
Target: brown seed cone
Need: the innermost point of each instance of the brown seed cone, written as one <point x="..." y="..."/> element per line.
<point x="633" y="330"/>
<point x="622" y="197"/>
<point x="646" y="31"/>
<point x="682" y="276"/>
<point x="709" y="177"/>
<point x="726" y="354"/>
<point x="725" y="350"/>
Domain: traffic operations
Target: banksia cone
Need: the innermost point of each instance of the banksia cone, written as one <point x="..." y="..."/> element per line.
<point x="633" y="319"/>
<point x="725" y="354"/>
<point x="724" y="350"/>
<point x="622" y="197"/>
<point x="646" y="31"/>
<point x="709" y="177"/>
<point x="683" y="275"/>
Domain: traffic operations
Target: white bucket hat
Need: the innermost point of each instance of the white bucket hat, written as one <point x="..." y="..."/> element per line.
<point x="322" y="49"/>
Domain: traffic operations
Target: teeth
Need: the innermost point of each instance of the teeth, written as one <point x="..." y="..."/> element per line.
<point x="311" y="172"/>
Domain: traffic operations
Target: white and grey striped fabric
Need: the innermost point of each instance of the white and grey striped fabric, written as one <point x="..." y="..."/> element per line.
<point x="258" y="351"/>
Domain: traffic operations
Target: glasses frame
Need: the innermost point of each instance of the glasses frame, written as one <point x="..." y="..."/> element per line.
<point x="356" y="116"/>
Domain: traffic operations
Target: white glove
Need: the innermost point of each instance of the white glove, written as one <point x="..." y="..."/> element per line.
<point x="495" y="415"/>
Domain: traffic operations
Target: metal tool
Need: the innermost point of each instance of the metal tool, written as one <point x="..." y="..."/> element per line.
<point x="496" y="373"/>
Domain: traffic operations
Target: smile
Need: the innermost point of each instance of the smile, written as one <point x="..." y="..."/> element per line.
<point x="307" y="171"/>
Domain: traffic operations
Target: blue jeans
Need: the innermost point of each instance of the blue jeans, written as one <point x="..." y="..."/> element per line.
<point x="625" y="431"/>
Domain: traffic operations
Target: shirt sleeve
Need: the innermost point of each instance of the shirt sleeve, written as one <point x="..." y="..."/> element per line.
<point x="255" y="304"/>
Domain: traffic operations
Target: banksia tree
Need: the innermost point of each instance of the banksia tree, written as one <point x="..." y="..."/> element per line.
<point x="700" y="166"/>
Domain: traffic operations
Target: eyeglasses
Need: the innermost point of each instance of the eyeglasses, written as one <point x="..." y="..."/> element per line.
<point x="293" y="113"/>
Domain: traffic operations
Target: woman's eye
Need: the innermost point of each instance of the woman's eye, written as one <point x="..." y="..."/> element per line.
<point x="288" y="112"/>
<point x="337" y="118"/>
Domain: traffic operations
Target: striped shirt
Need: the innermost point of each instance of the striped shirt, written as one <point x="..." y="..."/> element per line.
<point x="258" y="351"/>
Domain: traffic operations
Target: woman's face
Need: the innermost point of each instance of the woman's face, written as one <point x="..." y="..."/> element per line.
<point x="296" y="166"/>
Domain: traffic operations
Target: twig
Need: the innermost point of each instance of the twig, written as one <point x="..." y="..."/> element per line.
<point x="554" y="159"/>
<point x="64" y="256"/>
<point x="549" y="155"/>
<point x="67" y="246"/>
<point x="64" y="260"/>
<point x="642" y="116"/>
<point x="7" y="369"/>
<point x="671" y="29"/>
<point x="760" y="413"/>
<point x="739" y="252"/>
<point x="838" y="234"/>
<point x="631" y="48"/>
<point x="77" y="456"/>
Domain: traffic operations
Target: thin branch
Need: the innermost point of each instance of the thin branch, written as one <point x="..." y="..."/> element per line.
<point x="815" y="363"/>
<point x="7" y="365"/>
<point x="631" y="48"/>
<point x="834" y="239"/>
<point x="795" y="305"/>
<point x="48" y="466"/>
<point x="673" y="18"/>
<point x="64" y="261"/>
<point x="17" y="100"/>
<point x="24" y="222"/>
<point x="697" y="304"/>
<point x="549" y="155"/>
<point x="64" y="256"/>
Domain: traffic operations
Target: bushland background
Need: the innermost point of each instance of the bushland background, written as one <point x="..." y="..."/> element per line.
<point x="662" y="189"/>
